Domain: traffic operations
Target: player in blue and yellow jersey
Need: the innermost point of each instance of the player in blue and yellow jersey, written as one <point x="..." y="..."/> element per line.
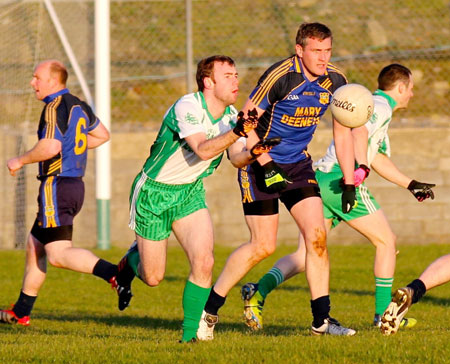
<point x="395" y="89"/>
<point x="67" y="129"/>
<point x="290" y="99"/>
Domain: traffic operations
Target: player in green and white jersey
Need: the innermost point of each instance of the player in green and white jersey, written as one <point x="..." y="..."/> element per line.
<point x="168" y="194"/>
<point x="372" y="149"/>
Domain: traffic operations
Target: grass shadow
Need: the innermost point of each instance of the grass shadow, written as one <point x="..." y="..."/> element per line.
<point x="333" y="290"/>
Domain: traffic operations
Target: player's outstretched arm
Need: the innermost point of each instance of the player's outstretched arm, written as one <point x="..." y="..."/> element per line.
<point x="387" y="169"/>
<point x="383" y="165"/>
<point x="209" y="148"/>
<point x="239" y="155"/>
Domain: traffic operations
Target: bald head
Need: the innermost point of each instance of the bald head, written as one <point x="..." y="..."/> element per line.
<point x="57" y="70"/>
<point x="49" y="77"/>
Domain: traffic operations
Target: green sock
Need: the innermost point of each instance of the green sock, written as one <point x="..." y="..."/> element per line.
<point x="383" y="287"/>
<point x="133" y="260"/>
<point x="194" y="299"/>
<point x="269" y="281"/>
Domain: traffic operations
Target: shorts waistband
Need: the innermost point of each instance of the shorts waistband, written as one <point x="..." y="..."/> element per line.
<point x="168" y="187"/>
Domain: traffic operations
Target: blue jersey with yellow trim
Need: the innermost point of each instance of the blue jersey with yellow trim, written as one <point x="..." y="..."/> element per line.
<point x="293" y="106"/>
<point x="68" y="119"/>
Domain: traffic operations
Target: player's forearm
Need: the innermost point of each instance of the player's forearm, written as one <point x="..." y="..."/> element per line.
<point x="98" y="136"/>
<point x="343" y="141"/>
<point x="251" y="141"/>
<point x="94" y="142"/>
<point x="212" y="147"/>
<point x="42" y="151"/>
<point x="360" y="140"/>
<point x="387" y="169"/>
<point x="241" y="159"/>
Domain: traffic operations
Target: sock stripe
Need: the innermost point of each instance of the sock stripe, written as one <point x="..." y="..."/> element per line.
<point x="384" y="282"/>
<point x="277" y="274"/>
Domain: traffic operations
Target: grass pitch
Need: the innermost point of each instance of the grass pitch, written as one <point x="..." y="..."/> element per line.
<point x="76" y="320"/>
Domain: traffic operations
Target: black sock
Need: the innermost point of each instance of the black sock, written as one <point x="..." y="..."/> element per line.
<point x="419" y="289"/>
<point x="320" y="309"/>
<point x="214" y="302"/>
<point x="24" y="305"/>
<point x="125" y="275"/>
<point x="105" y="270"/>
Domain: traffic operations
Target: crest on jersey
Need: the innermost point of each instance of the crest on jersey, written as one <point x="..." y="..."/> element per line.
<point x="324" y="98"/>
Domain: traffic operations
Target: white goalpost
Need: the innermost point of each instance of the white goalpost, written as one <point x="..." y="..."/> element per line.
<point x="103" y="111"/>
<point x="102" y="108"/>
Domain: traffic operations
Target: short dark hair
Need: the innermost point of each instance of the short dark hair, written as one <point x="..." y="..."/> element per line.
<point x="206" y="66"/>
<point x="57" y="68"/>
<point x="312" y="30"/>
<point x="391" y="74"/>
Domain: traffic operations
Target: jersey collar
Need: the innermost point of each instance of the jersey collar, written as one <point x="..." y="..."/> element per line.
<point x="205" y="106"/>
<point x="298" y="67"/>
<point x="51" y="97"/>
<point x="392" y="103"/>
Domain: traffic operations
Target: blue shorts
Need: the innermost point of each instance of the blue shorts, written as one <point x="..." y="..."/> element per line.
<point x="60" y="199"/>
<point x="258" y="201"/>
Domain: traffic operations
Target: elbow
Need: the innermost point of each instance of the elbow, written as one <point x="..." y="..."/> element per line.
<point x="107" y="136"/>
<point x="238" y="163"/>
<point x="54" y="149"/>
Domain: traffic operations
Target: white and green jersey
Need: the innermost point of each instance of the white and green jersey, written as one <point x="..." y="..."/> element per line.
<point x="171" y="160"/>
<point x="377" y="127"/>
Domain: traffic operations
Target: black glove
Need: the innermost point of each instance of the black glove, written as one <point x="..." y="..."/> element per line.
<point x="348" y="198"/>
<point x="264" y="146"/>
<point x="243" y="125"/>
<point x="420" y="190"/>
<point x="275" y="179"/>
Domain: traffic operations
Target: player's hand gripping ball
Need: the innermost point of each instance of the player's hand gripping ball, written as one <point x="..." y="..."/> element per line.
<point x="245" y="125"/>
<point x="352" y="105"/>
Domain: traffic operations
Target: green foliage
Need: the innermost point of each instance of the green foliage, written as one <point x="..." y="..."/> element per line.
<point x="76" y="320"/>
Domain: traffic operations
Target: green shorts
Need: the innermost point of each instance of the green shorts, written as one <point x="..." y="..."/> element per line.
<point x="331" y="198"/>
<point x="154" y="206"/>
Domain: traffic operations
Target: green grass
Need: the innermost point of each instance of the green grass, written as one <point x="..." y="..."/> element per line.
<point x="75" y="319"/>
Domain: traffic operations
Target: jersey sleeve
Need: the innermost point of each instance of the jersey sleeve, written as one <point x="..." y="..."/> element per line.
<point x="189" y="117"/>
<point x="271" y="86"/>
<point x="385" y="147"/>
<point x="93" y="119"/>
<point x="338" y="79"/>
<point x="381" y="115"/>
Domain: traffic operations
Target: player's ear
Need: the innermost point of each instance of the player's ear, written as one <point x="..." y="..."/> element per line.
<point x="401" y="87"/>
<point x="208" y="82"/>
<point x="299" y="50"/>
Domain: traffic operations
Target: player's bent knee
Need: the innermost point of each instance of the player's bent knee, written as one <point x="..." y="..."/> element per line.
<point x="386" y="242"/>
<point x="262" y="250"/>
<point x="55" y="261"/>
<point x="152" y="280"/>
